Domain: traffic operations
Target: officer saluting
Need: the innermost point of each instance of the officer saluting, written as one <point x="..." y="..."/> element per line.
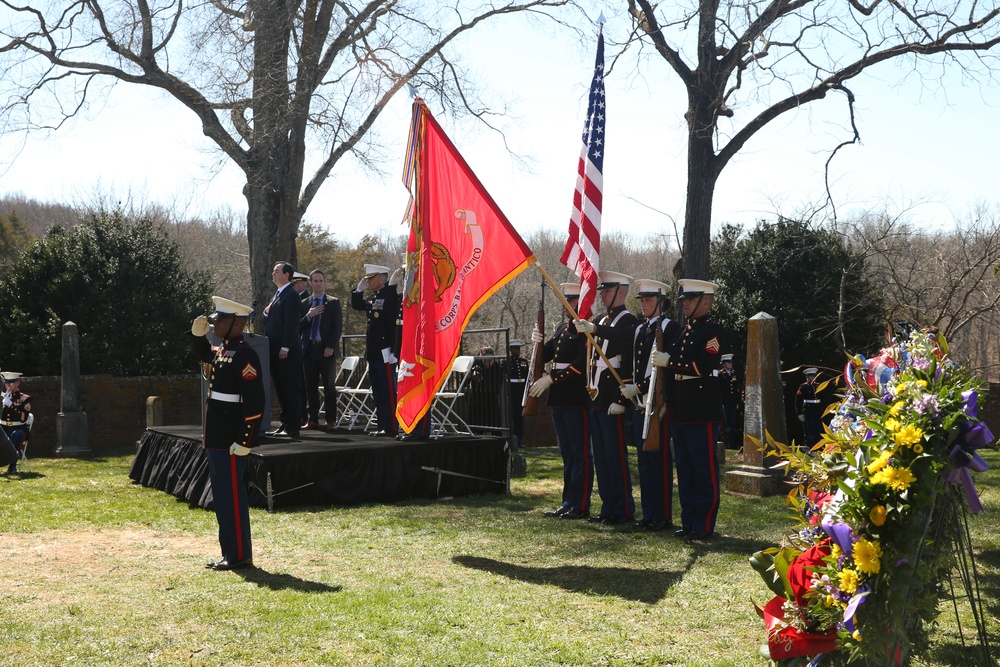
<point x="14" y="414"/>
<point x="382" y="309"/>
<point x="695" y="405"/>
<point x="809" y="408"/>
<point x="234" y="411"/>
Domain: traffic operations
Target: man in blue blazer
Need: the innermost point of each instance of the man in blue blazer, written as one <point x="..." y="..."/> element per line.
<point x="320" y="329"/>
<point x="281" y="326"/>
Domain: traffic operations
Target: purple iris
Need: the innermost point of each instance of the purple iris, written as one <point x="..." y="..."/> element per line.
<point x="841" y="534"/>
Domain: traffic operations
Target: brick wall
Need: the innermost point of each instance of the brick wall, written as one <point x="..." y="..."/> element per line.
<point x="115" y="407"/>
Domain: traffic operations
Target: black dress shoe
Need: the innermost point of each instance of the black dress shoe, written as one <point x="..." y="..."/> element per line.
<point x="559" y="511"/>
<point x="211" y="565"/>
<point x="595" y="519"/>
<point x="698" y="535"/>
<point x="291" y="434"/>
<point x="223" y="565"/>
<point x="654" y="527"/>
<point x="277" y="433"/>
<point x="613" y="520"/>
<point x="641" y="525"/>
<point x="574" y="515"/>
<point x="682" y="532"/>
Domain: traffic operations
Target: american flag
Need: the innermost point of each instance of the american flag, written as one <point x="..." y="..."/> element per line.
<point x="583" y="248"/>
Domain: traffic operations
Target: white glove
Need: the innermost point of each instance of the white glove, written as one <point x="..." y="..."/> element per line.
<point x="539" y="386"/>
<point x="802" y="418"/>
<point x="200" y="326"/>
<point x="660" y="359"/>
<point x="362" y="286"/>
<point x="616" y="409"/>
<point x="536" y="335"/>
<point x="7" y="401"/>
<point x="583" y="326"/>
<point x="238" y="450"/>
<point x="396" y="276"/>
<point x="629" y="391"/>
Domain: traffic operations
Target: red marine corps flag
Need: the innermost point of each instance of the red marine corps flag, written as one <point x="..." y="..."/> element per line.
<point x="461" y="250"/>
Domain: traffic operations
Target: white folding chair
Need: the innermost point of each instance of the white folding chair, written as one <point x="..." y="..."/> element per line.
<point x="343" y="380"/>
<point x="444" y="418"/>
<point x="357" y="407"/>
<point x="22" y="462"/>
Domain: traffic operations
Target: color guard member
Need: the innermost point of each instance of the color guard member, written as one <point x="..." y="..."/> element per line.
<point x="656" y="466"/>
<point x="382" y="309"/>
<point x="695" y="405"/>
<point x="566" y="383"/>
<point x="732" y="396"/>
<point x="614" y="332"/>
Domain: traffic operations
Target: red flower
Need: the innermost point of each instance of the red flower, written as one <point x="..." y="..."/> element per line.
<point x="800" y="572"/>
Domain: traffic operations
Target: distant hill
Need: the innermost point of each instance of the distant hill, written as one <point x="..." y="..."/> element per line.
<point x="38" y="216"/>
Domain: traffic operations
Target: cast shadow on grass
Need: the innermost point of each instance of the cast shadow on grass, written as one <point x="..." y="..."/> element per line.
<point x="23" y="475"/>
<point x="640" y="585"/>
<point x="279" y="581"/>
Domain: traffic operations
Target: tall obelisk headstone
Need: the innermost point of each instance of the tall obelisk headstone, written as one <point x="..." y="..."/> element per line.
<point x="71" y="422"/>
<point x="764" y="412"/>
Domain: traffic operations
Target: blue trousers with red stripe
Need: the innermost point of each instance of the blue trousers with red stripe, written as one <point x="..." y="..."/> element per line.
<point x="383" y="382"/>
<point x="572" y="427"/>
<point x="697" y="474"/>
<point x="656" y="471"/>
<point x="229" y="499"/>
<point x="614" y="479"/>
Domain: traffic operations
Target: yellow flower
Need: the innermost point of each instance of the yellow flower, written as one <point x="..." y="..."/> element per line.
<point x="877" y="515"/>
<point x="922" y="384"/>
<point x="836" y="552"/>
<point x="918" y="448"/>
<point x="891" y="424"/>
<point x="856" y="636"/>
<point x="878" y="464"/>
<point x="908" y="436"/>
<point x="897" y="479"/>
<point x="849" y="581"/>
<point x="868" y="556"/>
<point x="894" y="410"/>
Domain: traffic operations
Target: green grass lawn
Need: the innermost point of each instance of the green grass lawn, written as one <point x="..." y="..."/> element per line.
<point x="99" y="571"/>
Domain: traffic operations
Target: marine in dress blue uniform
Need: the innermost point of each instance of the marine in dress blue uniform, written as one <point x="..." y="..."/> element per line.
<point x="732" y="395"/>
<point x="614" y="332"/>
<point x="696" y="409"/>
<point x="14" y="414"/>
<point x="656" y="466"/>
<point x="382" y="309"/>
<point x="516" y="367"/>
<point x="566" y="383"/>
<point x="809" y="408"/>
<point x="234" y="411"/>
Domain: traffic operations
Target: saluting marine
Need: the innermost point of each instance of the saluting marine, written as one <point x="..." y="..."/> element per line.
<point x="695" y="405"/>
<point x="15" y="414"/>
<point x="382" y="309"/>
<point x="566" y="383"/>
<point x="614" y="334"/>
<point x="809" y="408"/>
<point x="234" y="411"/>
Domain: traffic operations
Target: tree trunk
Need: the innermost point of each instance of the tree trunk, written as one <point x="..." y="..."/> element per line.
<point x="701" y="178"/>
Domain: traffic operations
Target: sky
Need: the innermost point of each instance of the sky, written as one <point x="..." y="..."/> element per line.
<point x="928" y="149"/>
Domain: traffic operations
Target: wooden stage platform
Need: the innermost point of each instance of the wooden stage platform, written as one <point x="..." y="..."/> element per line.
<point x="336" y="468"/>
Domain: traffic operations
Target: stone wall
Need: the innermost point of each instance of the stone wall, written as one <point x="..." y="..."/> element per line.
<point x="115" y="407"/>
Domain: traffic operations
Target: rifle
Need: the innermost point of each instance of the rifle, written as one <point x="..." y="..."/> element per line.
<point x="654" y="404"/>
<point x="536" y="366"/>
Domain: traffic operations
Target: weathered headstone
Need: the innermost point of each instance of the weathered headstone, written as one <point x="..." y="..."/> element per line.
<point x="764" y="412"/>
<point x="71" y="422"/>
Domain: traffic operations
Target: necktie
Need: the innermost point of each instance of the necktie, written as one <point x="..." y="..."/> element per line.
<point x="314" y="328"/>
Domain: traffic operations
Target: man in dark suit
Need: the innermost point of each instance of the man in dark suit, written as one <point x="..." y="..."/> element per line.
<point x="320" y="328"/>
<point x="281" y="326"/>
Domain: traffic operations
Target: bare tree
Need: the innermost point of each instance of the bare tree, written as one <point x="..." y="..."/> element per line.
<point x="946" y="279"/>
<point x="745" y="63"/>
<point x="285" y="89"/>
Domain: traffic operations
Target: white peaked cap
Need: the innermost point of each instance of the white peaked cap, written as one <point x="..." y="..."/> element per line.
<point x="648" y="287"/>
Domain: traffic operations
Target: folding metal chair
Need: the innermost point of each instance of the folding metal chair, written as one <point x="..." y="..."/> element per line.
<point x="444" y="418"/>
<point x="22" y="462"/>
<point x="356" y="407"/>
<point x="343" y="380"/>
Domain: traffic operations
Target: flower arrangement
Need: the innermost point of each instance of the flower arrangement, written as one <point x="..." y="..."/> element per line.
<point x="876" y="503"/>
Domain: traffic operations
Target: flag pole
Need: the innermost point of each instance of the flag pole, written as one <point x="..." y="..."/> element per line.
<point x="573" y="315"/>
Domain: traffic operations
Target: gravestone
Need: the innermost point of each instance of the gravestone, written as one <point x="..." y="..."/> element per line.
<point x="764" y="412"/>
<point x="71" y="422"/>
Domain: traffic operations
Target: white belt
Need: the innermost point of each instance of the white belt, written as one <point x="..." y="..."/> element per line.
<point x="561" y="365"/>
<point x="225" y="398"/>
<point x="14" y="424"/>
<point x="695" y="377"/>
<point x="615" y="363"/>
<point x="810" y="400"/>
<point x="519" y="380"/>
